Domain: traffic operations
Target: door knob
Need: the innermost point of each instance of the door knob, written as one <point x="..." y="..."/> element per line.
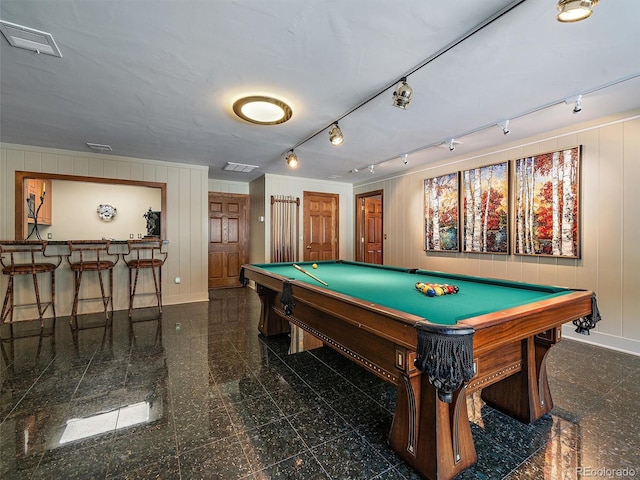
<point x="308" y="247"/>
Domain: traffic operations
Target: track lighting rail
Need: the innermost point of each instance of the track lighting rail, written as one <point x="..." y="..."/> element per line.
<point x="423" y="64"/>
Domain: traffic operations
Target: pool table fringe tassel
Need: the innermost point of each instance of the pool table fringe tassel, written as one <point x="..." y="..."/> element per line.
<point x="445" y="355"/>
<point x="584" y="324"/>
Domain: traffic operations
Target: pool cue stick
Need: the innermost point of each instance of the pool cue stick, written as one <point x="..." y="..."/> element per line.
<point x="298" y="267"/>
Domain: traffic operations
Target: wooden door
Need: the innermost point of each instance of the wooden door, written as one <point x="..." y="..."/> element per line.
<point x="228" y="238"/>
<point x="369" y="227"/>
<point x="320" y="226"/>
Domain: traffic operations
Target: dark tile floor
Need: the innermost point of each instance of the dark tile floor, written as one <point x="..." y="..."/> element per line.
<point x="201" y="395"/>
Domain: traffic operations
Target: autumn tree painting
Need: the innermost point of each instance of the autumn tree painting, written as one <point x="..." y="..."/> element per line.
<point x="485" y="193"/>
<point x="441" y="213"/>
<point x="547" y="194"/>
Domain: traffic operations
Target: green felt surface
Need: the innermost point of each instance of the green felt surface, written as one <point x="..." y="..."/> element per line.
<point x="395" y="288"/>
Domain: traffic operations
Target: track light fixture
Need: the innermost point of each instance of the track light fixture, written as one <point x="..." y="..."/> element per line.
<point x="575" y="10"/>
<point x="292" y="159"/>
<point x="505" y="127"/>
<point x="372" y="169"/>
<point x="402" y="94"/>
<point x="405" y="158"/>
<point x="335" y="135"/>
<point x="578" y="105"/>
<point x="452" y="147"/>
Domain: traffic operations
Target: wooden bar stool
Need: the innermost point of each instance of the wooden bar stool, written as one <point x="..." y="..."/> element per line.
<point x="27" y="257"/>
<point x="145" y="254"/>
<point x="91" y="256"/>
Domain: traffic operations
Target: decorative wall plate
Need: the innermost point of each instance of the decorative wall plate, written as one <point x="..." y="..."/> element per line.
<point x="106" y="211"/>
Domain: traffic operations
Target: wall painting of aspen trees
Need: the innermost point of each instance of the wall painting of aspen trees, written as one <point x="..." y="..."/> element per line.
<point x="485" y="220"/>
<point x="441" y="213"/>
<point x="547" y="210"/>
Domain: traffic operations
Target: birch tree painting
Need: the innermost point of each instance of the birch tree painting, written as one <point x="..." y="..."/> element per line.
<point x="441" y="213"/>
<point x="485" y="192"/>
<point x="547" y="194"/>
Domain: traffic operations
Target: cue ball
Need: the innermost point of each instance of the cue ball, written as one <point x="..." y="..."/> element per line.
<point x="315" y="265"/>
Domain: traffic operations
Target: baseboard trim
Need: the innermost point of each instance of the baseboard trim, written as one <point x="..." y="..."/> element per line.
<point x="625" y="345"/>
<point x="177" y="299"/>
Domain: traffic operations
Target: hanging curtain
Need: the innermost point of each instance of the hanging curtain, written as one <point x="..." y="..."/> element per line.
<point x="284" y="228"/>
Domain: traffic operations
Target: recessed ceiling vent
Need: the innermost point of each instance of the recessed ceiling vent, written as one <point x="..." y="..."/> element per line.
<point x="97" y="147"/>
<point x="239" y="167"/>
<point x="30" y="39"/>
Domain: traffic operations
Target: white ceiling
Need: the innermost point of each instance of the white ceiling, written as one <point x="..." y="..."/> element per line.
<point x="156" y="78"/>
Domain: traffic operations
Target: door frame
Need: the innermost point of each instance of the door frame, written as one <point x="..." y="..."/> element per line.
<point x="360" y="222"/>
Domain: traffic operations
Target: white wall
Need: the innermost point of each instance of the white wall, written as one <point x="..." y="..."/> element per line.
<point x="186" y="218"/>
<point x="610" y="263"/>
<point x="257" y="206"/>
<point x="225" y="186"/>
<point x="74" y="210"/>
<point x="282" y="185"/>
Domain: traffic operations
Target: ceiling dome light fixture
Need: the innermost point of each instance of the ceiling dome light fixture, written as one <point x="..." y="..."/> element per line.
<point x="575" y="10"/>
<point x="292" y="159"/>
<point x="335" y="135"/>
<point x="262" y="110"/>
<point x="402" y="94"/>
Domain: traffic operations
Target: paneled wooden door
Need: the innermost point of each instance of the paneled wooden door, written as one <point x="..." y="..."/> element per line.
<point x="320" y="226"/>
<point x="369" y="227"/>
<point x="228" y="238"/>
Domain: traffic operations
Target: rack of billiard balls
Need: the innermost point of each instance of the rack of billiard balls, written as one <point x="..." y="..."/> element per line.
<point x="436" y="289"/>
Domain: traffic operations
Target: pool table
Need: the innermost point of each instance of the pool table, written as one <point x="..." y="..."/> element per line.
<point x="491" y="335"/>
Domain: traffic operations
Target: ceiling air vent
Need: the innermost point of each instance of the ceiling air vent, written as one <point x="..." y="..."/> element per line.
<point x="239" y="167"/>
<point x="30" y="39"/>
<point x="97" y="147"/>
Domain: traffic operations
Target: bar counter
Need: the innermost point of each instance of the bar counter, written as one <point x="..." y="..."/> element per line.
<point x="64" y="280"/>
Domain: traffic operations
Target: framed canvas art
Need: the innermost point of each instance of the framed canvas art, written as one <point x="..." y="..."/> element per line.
<point x="441" y="223"/>
<point x="485" y="218"/>
<point x="547" y="208"/>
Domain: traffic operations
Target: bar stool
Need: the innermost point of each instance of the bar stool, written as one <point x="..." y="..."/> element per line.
<point x="27" y="257"/>
<point x="145" y="254"/>
<point x="91" y="256"/>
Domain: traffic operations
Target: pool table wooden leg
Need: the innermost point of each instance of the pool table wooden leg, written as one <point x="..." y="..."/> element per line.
<point x="526" y="395"/>
<point x="432" y="436"/>
<point x="270" y="323"/>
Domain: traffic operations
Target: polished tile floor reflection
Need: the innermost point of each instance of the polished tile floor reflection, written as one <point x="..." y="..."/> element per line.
<point x="201" y="395"/>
